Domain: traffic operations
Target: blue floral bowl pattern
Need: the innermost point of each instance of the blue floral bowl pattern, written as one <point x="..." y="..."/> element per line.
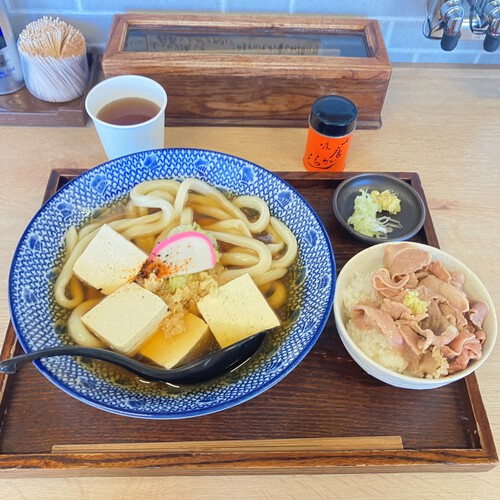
<point x="40" y="323"/>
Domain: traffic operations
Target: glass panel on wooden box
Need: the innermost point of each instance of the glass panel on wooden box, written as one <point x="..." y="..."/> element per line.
<point x="264" y="43"/>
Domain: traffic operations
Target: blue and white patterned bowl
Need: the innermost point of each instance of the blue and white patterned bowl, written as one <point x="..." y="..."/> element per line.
<point x="39" y="322"/>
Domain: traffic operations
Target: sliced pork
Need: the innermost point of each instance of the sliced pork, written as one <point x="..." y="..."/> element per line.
<point x="436" y="320"/>
<point x="411" y="337"/>
<point x="391" y="252"/>
<point x="438" y="270"/>
<point x="452" y="314"/>
<point x="386" y="286"/>
<point x="456" y="346"/>
<point x="406" y="260"/>
<point x="455" y="297"/>
<point x="424" y="313"/>
<point x="449" y="334"/>
<point x="457" y="279"/>
<point x="472" y="350"/>
<point x="478" y="311"/>
<point x="369" y="316"/>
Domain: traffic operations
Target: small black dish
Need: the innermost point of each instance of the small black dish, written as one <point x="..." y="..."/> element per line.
<point x="412" y="214"/>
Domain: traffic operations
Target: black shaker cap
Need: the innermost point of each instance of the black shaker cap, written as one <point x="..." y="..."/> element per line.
<point x="333" y="116"/>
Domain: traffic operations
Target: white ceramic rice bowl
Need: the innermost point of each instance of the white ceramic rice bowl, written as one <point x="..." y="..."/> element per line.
<point x="368" y="260"/>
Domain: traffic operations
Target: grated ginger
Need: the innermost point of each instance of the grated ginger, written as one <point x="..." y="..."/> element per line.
<point x="414" y="303"/>
<point x="387" y="201"/>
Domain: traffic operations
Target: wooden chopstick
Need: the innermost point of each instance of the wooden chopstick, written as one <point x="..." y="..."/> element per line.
<point x="240" y="446"/>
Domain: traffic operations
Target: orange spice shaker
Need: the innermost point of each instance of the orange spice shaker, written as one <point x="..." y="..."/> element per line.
<point x="331" y="124"/>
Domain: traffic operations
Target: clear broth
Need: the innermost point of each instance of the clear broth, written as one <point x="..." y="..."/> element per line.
<point x="128" y="111"/>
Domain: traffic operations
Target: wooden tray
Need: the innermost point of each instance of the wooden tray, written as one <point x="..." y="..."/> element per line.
<point x="327" y="416"/>
<point x="22" y="108"/>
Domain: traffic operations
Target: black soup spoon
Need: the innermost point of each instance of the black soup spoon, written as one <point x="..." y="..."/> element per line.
<point x="201" y="370"/>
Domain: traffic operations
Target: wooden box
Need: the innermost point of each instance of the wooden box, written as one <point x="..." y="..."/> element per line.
<point x="252" y="70"/>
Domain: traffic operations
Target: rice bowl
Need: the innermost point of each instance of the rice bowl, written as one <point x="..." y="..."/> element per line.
<point x="372" y="352"/>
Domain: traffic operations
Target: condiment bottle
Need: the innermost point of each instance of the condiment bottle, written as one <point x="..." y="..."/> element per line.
<point x="331" y="123"/>
<point x="11" y="73"/>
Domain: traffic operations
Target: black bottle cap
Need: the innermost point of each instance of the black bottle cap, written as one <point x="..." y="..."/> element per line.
<point x="333" y="116"/>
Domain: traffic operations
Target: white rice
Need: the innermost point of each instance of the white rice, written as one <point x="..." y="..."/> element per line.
<point x="372" y="342"/>
<point x="360" y="289"/>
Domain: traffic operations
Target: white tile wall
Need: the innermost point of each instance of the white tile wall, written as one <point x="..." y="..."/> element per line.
<point x="401" y="20"/>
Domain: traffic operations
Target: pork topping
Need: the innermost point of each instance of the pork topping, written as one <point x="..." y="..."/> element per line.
<point x="424" y="312"/>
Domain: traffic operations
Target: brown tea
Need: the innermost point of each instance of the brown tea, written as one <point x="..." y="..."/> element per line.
<point x="128" y="111"/>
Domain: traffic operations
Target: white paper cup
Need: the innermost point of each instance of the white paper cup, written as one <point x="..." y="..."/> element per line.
<point x="120" y="140"/>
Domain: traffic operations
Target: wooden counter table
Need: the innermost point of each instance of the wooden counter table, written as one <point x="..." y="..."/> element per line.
<point x="443" y="123"/>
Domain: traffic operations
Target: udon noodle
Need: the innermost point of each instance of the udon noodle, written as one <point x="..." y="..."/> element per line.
<point x="248" y="240"/>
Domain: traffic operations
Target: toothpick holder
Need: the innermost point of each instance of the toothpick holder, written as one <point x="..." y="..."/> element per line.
<point x="55" y="80"/>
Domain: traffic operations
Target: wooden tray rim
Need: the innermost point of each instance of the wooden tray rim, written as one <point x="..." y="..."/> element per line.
<point x="304" y="462"/>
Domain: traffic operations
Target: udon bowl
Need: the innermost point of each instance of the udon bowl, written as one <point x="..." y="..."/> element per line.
<point x="39" y="322"/>
<point x="370" y="260"/>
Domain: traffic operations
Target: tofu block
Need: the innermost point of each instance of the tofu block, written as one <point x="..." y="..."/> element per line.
<point x="168" y="352"/>
<point x="127" y="318"/>
<point x="109" y="261"/>
<point x="236" y="311"/>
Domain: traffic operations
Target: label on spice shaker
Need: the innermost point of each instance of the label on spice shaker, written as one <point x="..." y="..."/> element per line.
<point x="326" y="153"/>
<point x="331" y="123"/>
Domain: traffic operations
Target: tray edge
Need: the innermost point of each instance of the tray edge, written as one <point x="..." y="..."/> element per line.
<point x="100" y="464"/>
